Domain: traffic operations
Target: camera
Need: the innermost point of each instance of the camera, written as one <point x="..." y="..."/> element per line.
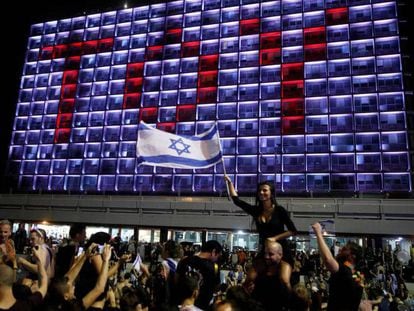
<point x="30" y="249"/>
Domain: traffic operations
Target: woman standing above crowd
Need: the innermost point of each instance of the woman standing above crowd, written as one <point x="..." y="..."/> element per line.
<point x="270" y="218"/>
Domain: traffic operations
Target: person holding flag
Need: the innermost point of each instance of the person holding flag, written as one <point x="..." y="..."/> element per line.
<point x="270" y="217"/>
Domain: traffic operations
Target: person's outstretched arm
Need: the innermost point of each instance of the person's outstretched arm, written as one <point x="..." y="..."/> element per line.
<point x="230" y="185"/>
<point x="99" y="288"/>
<point x="328" y="259"/>
<point x="41" y="272"/>
<point x="33" y="267"/>
<point x="97" y="264"/>
<point x="285" y="274"/>
<point x="282" y="236"/>
<point x="248" y="208"/>
<point x="77" y="266"/>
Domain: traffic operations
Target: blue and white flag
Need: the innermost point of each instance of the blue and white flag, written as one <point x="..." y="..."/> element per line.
<point x="159" y="148"/>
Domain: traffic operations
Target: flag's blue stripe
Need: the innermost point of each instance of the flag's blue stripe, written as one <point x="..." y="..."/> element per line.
<point x="166" y="159"/>
<point x="143" y="126"/>
<point x="206" y="137"/>
<point x="209" y="136"/>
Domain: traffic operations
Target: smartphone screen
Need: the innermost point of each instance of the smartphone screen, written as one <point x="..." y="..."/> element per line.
<point x="80" y="251"/>
<point x="100" y="247"/>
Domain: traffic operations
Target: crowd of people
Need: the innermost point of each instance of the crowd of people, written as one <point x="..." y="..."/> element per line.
<point x="98" y="273"/>
<point x="94" y="273"/>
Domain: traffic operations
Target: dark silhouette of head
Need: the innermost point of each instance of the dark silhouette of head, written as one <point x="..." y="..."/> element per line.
<point x="76" y="229"/>
<point x="351" y="252"/>
<point x="172" y="249"/>
<point x="99" y="238"/>
<point x="211" y="245"/>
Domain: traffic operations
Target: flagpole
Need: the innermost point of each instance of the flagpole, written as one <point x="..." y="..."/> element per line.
<point x="221" y="149"/>
<point x="222" y="160"/>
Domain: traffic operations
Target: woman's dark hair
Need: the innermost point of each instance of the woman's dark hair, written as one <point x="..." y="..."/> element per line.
<point x="271" y="186"/>
<point x="99" y="238"/>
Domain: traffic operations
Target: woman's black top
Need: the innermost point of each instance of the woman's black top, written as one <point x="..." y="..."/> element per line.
<point x="276" y="224"/>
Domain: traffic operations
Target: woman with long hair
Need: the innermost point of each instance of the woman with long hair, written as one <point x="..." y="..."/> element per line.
<point x="272" y="220"/>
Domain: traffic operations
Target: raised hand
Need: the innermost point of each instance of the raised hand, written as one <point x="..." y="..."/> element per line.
<point x="106" y="253"/>
<point x="317" y="228"/>
<point x="91" y="250"/>
<point x="10" y="251"/>
<point x="126" y="257"/>
<point x="37" y="253"/>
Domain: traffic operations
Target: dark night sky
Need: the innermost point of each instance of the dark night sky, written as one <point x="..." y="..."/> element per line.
<point x="15" y="34"/>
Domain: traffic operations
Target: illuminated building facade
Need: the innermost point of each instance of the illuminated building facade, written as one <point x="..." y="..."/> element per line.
<point x="306" y="93"/>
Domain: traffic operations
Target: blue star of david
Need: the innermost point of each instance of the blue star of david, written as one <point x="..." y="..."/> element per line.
<point x="184" y="147"/>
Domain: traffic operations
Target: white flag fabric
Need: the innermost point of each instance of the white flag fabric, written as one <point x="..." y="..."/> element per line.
<point x="159" y="148"/>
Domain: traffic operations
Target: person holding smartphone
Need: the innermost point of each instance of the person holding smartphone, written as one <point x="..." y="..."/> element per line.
<point x="92" y="267"/>
<point x="66" y="253"/>
<point x="38" y="241"/>
<point x="62" y="291"/>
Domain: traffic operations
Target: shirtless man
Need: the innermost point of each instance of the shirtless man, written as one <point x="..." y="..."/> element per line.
<point x="7" y="250"/>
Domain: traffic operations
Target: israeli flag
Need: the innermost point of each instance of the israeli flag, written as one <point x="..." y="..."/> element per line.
<point x="159" y="148"/>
